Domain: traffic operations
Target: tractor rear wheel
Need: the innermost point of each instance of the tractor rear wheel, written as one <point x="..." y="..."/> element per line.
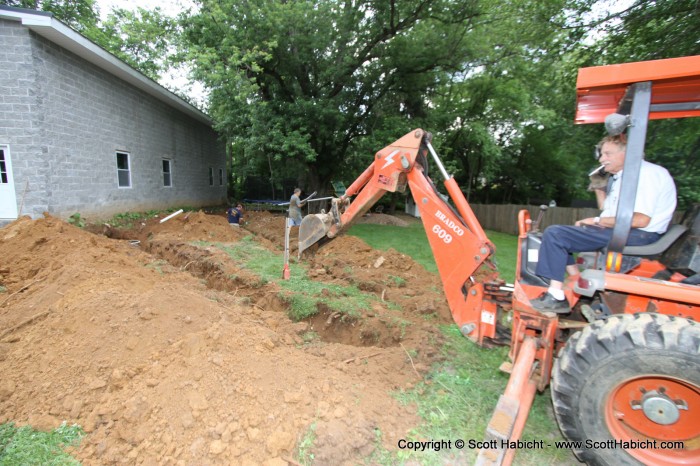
<point x="631" y="378"/>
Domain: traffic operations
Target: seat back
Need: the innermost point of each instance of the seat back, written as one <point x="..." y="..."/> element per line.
<point x="662" y="244"/>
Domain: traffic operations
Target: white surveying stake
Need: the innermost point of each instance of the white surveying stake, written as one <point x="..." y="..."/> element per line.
<point x="287" y="227"/>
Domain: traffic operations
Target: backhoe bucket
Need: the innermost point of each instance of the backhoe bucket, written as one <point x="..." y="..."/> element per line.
<point x="313" y="228"/>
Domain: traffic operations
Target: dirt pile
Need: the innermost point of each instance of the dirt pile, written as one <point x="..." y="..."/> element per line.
<point x="410" y="294"/>
<point x="164" y="360"/>
<point x="382" y="219"/>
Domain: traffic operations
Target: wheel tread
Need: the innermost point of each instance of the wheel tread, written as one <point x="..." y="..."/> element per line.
<point x="593" y="345"/>
<point x="635" y="329"/>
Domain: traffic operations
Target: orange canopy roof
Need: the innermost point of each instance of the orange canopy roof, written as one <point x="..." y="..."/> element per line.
<point x="675" y="88"/>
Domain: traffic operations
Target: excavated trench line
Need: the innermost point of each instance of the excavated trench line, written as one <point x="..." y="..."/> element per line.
<point x="218" y="272"/>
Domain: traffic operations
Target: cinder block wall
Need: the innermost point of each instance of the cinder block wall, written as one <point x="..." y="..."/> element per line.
<point x="19" y="128"/>
<point x="64" y="119"/>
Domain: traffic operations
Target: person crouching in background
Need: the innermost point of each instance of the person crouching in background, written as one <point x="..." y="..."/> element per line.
<point x="235" y="215"/>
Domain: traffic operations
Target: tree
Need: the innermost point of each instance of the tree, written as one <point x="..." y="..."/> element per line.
<point x="655" y="30"/>
<point x="145" y="39"/>
<point x="506" y="113"/>
<point x="299" y="83"/>
<point x="81" y="15"/>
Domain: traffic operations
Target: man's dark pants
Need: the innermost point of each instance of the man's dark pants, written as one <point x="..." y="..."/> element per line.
<point x="560" y="241"/>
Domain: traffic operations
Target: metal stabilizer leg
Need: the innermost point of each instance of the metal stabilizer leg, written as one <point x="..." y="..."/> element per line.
<point x="508" y="419"/>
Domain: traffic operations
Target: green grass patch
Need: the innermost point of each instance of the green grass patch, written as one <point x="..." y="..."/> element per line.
<point x="76" y="220"/>
<point x="305" y="448"/>
<point x="506" y="256"/>
<point x="304" y="295"/>
<point x="127" y="220"/>
<point x="457" y="399"/>
<point x="456" y="402"/>
<point x="398" y="281"/>
<point x="26" y="446"/>
<point x="398" y="322"/>
<point x="157" y="265"/>
<point x="310" y="337"/>
<point x="412" y="241"/>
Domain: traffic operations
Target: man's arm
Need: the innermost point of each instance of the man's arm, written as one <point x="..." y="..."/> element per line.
<point x="639" y="220"/>
<point x="600" y="196"/>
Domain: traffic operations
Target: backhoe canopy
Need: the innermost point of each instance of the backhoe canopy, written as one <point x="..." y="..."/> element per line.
<point x="603" y="90"/>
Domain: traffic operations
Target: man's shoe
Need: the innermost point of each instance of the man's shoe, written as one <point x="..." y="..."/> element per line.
<point x="547" y="302"/>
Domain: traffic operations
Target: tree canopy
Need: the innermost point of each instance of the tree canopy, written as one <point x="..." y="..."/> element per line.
<point x="309" y="90"/>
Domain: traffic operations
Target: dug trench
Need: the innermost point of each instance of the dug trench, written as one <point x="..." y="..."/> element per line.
<point x="397" y="284"/>
<point x="176" y="353"/>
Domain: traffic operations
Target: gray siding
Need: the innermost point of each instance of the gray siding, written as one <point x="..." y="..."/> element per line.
<point x="64" y="119"/>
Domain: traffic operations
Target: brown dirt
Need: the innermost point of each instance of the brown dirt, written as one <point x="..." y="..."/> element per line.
<point x="173" y="354"/>
<point x="384" y="219"/>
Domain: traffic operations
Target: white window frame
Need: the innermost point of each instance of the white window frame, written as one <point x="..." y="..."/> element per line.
<point x="8" y="198"/>
<point x="122" y="170"/>
<point x="169" y="173"/>
<point x="8" y="168"/>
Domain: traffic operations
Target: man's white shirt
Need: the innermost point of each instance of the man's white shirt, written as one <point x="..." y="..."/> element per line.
<point x="656" y="197"/>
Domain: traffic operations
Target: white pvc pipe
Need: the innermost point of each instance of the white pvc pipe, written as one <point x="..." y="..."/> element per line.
<point x="171" y="216"/>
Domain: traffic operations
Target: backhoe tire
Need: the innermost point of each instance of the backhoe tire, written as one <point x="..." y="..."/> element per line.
<point x="631" y="377"/>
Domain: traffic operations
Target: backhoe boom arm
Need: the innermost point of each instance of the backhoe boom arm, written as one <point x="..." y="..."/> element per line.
<point x="458" y="242"/>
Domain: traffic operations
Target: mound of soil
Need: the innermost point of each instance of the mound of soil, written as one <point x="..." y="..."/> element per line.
<point x="173" y="354"/>
<point x="382" y="219"/>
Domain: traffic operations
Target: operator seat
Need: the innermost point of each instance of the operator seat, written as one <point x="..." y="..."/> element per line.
<point x="684" y="255"/>
<point x="678" y="249"/>
<point x="663" y="243"/>
<point x="632" y="255"/>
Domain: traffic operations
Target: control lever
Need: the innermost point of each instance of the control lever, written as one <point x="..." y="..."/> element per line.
<point x="543" y="209"/>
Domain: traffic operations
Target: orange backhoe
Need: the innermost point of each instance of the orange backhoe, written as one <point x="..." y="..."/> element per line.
<point x="624" y="366"/>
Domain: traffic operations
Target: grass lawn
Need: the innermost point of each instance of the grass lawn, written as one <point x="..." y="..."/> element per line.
<point x="412" y="241"/>
<point x="301" y="293"/>
<point x="26" y="446"/>
<point x="457" y="399"/>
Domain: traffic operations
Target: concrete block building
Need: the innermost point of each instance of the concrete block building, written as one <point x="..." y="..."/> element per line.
<point x="81" y="131"/>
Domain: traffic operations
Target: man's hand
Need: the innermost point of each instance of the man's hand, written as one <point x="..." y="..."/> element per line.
<point x="587" y="221"/>
<point x="598" y="181"/>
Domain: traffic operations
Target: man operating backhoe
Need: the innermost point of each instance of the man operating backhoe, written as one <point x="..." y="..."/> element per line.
<point x="653" y="210"/>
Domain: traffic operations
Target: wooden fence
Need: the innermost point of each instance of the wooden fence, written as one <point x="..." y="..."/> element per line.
<point x="504" y="217"/>
<point x="495" y="217"/>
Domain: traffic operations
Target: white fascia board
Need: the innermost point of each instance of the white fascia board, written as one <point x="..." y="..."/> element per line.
<point x="49" y="27"/>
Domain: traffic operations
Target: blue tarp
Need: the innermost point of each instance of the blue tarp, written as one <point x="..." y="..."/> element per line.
<point x="265" y="201"/>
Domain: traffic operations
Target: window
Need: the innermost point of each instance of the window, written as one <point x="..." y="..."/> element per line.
<point x="221" y="176"/>
<point x="3" y="168"/>
<point x="211" y="176"/>
<point x="123" y="170"/>
<point x="167" y="174"/>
